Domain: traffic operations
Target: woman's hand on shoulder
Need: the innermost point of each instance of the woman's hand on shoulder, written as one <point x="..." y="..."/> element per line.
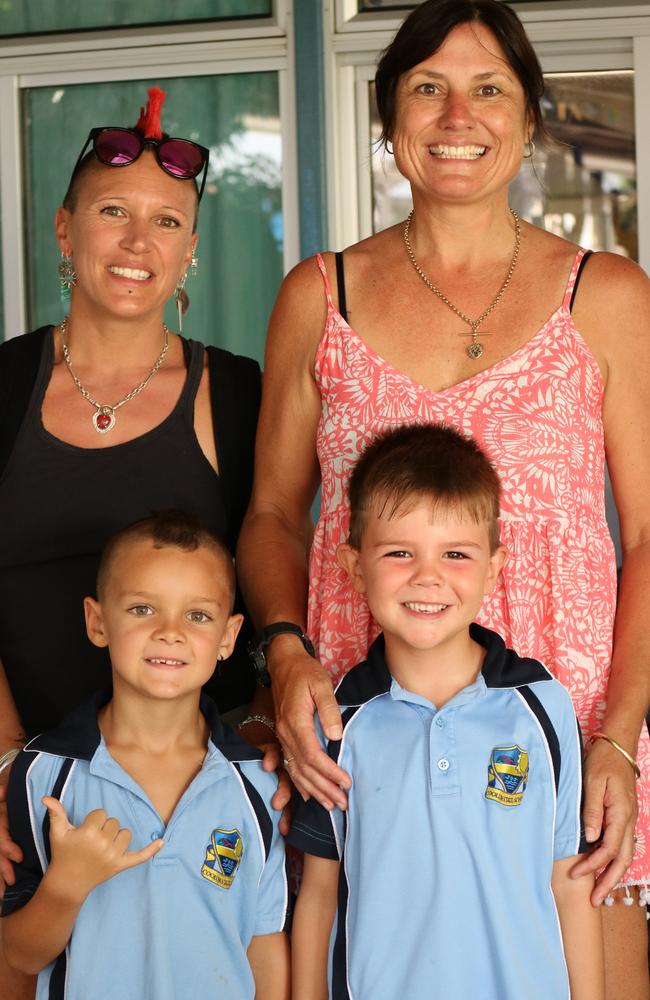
<point x="260" y="735"/>
<point x="301" y="688"/>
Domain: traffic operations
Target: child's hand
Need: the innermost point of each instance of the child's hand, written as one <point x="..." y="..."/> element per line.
<point x="85" y="856"/>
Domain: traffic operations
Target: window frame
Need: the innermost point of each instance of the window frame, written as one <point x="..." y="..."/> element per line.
<point x="211" y="49"/>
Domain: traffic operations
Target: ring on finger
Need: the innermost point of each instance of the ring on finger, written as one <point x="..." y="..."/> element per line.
<point x="287" y="760"/>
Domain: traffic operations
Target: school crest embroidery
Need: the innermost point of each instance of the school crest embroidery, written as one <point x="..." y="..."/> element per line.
<point x="507" y="775"/>
<point x="222" y="857"/>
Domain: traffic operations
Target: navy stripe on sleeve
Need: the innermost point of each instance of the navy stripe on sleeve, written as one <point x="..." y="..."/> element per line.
<point x="29" y="871"/>
<point x="57" y="789"/>
<point x="584" y="846"/>
<point x="264" y="821"/>
<point x="340" y="950"/>
<point x="539" y="712"/>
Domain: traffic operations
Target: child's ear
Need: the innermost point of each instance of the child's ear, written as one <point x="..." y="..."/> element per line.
<point x="95" y="622"/>
<point x="349" y="560"/>
<point x="497" y="560"/>
<point x="230" y="633"/>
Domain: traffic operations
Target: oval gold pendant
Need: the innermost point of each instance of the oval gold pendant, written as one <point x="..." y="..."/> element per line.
<point x="475" y="350"/>
<point x="104" y="419"/>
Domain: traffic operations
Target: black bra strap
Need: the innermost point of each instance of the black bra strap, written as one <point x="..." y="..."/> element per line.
<point x="340" y="283"/>
<point x="578" y="276"/>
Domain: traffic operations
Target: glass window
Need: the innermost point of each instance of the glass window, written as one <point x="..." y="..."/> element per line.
<point x="583" y="189"/>
<point x="240" y="222"/>
<point x="28" y="17"/>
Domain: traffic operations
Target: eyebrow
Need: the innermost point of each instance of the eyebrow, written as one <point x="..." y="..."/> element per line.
<point x="125" y="198"/>
<point x="488" y="74"/>
<point x="148" y="596"/>
<point x="397" y="544"/>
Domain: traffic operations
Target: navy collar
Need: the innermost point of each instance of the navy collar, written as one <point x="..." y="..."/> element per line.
<point x="502" y="668"/>
<point x="78" y="736"/>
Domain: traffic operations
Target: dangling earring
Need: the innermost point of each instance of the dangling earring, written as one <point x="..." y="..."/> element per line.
<point x="67" y="277"/>
<point x="182" y="300"/>
<point x="194" y="264"/>
<point x="531" y="150"/>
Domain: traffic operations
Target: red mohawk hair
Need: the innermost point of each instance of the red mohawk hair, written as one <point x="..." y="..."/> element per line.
<point x="149" y="121"/>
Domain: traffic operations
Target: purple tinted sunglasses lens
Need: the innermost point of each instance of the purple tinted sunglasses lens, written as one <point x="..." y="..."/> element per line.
<point x="180" y="158"/>
<point x="116" y="147"/>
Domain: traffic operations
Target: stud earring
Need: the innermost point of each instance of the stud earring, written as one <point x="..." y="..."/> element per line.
<point x="67" y="277"/>
<point x="531" y="150"/>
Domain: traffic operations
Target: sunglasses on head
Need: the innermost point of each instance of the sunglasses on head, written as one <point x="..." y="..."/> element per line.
<point x="119" y="147"/>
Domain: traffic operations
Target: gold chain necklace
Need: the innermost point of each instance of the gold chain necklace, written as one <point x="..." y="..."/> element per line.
<point x="104" y="415"/>
<point x="475" y="349"/>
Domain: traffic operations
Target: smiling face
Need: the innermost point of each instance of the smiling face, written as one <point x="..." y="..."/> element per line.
<point x="165" y="617"/>
<point x="460" y="119"/>
<point x="424" y="575"/>
<point x="130" y="236"/>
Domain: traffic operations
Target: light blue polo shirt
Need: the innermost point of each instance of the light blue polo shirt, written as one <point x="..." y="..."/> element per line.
<point x="455" y="818"/>
<point x="180" y="924"/>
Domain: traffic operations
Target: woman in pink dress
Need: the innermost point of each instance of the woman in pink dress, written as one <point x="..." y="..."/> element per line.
<point x="469" y="316"/>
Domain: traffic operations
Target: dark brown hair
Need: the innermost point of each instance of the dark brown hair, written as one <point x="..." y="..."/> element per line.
<point x="167" y="529"/>
<point x="424" y="31"/>
<point x="428" y="462"/>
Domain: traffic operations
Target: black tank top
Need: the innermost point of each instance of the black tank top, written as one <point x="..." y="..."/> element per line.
<point x="58" y="506"/>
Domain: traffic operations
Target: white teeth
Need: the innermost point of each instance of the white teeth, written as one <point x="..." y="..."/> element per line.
<point x="425" y="608"/>
<point x="130" y="272"/>
<point x="167" y="663"/>
<point x="457" y="152"/>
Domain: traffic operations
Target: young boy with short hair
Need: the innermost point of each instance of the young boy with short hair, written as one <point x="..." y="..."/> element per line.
<point x="199" y="907"/>
<point x="446" y="876"/>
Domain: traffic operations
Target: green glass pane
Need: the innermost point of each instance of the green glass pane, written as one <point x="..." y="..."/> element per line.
<point x="28" y="17"/>
<point x="240" y="222"/>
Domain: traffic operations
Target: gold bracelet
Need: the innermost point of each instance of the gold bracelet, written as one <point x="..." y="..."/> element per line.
<point x="617" y="746"/>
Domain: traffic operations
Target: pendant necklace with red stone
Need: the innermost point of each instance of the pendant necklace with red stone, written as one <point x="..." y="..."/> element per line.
<point x="104" y="415"/>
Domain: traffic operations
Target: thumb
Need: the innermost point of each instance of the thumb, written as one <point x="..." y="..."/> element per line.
<point x="328" y="713"/>
<point x="592" y="814"/>
<point x="58" y="816"/>
<point x="133" y="858"/>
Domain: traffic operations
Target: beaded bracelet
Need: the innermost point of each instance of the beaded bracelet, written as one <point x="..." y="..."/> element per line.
<point x="617" y="746"/>
<point x="264" y="719"/>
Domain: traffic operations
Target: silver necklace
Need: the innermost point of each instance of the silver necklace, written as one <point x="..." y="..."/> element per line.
<point x="104" y="415"/>
<point x="474" y="349"/>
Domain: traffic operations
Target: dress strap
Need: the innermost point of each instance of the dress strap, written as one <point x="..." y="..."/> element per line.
<point x="326" y="280"/>
<point x="194" y="356"/>
<point x="575" y="274"/>
<point x="340" y="282"/>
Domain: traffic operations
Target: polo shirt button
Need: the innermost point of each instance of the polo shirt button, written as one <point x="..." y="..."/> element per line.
<point x="156" y="835"/>
<point x="440" y="722"/>
<point x="443" y="764"/>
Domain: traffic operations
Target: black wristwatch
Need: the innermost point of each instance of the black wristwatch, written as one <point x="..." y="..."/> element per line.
<point x="260" y="641"/>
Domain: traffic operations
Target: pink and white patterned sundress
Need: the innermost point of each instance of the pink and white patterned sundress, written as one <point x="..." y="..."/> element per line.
<point x="537" y="415"/>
